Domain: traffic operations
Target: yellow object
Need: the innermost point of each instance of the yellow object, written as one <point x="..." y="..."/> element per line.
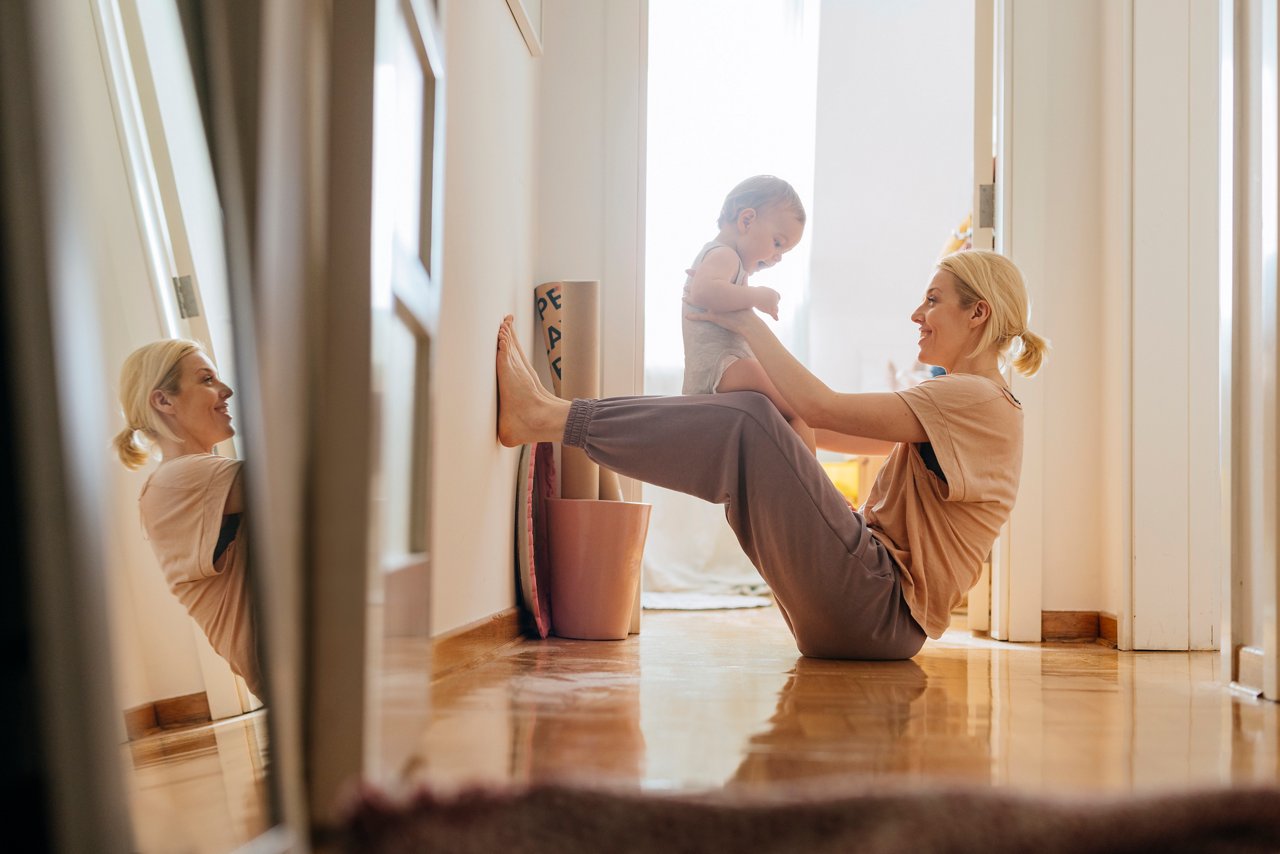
<point x="854" y="476"/>
<point x="847" y="476"/>
<point x="961" y="238"/>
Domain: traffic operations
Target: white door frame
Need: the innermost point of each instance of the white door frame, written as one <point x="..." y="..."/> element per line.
<point x="1016" y="595"/>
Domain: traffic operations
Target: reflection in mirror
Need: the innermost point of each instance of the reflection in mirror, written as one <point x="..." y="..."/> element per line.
<point x="184" y="635"/>
<point x="404" y="309"/>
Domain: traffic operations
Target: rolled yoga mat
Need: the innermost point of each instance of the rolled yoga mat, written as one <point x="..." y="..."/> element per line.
<point x="569" y="313"/>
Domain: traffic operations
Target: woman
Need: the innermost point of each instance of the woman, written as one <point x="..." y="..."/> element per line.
<point x="191" y="505"/>
<point x="869" y="585"/>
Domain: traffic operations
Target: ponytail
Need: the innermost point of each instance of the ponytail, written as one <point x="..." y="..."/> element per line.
<point x="133" y="455"/>
<point x="1031" y="354"/>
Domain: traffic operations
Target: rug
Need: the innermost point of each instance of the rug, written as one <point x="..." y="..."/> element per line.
<point x="669" y="600"/>
<point x="568" y="820"/>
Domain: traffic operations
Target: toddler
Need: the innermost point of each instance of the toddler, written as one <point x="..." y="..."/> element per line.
<point x="761" y="220"/>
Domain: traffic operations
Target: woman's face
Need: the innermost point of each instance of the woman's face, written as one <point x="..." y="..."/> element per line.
<point x="946" y="327"/>
<point x="198" y="412"/>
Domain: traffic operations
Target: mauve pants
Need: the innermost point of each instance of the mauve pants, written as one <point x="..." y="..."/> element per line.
<point x="836" y="585"/>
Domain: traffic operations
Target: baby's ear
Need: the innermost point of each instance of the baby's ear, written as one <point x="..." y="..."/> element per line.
<point x="746" y="217"/>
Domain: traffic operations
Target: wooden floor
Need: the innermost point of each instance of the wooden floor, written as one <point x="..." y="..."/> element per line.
<point x="706" y="700"/>
<point x="199" y="789"/>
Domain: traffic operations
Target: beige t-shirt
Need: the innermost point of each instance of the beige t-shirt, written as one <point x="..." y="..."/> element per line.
<point x="181" y="505"/>
<point x="939" y="532"/>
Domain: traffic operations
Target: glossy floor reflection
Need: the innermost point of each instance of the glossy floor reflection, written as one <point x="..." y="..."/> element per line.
<point x="199" y="789"/>
<point x="722" y="699"/>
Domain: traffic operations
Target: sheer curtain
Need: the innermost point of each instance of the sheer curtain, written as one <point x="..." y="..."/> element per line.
<point x="732" y="93"/>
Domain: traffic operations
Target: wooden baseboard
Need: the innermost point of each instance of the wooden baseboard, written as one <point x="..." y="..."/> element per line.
<point x="169" y="713"/>
<point x="1069" y="625"/>
<point x="1108" y="629"/>
<point x="140" y="721"/>
<point x="471" y="644"/>
<point x="1249" y="668"/>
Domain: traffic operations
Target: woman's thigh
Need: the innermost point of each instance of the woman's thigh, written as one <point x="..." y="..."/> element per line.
<point x="834" y="581"/>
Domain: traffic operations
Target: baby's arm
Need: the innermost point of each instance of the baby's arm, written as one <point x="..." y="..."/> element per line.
<point x="712" y="287"/>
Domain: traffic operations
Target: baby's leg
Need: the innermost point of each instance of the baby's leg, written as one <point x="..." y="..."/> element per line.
<point x="749" y="375"/>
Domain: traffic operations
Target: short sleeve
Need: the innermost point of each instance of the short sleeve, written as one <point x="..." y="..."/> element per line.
<point x="182" y="508"/>
<point x="968" y="421"/>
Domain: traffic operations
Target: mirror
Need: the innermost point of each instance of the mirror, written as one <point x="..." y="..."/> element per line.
<point x="180" y="593"/>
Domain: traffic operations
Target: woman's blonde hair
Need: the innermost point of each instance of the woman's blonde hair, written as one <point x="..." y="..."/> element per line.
<point x="150" y="367"/>
<point x="989" y="276"/>
<point x="760" y="192"/>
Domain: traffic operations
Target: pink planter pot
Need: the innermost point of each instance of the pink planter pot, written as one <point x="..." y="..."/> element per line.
<point x="596" y="547"/>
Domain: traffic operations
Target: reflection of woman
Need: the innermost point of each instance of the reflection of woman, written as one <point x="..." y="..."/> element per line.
<point x="850" y="585"/>
<point x="191" y="505"/>
<point x="847" y="719"/>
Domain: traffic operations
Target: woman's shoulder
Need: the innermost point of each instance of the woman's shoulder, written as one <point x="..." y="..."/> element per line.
<point x="192" y="469"/>
<point x="965" y="390"/>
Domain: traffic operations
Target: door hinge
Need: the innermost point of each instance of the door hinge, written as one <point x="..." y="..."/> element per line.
<point x="185" y="290"/>
<point x="986" y="206"/>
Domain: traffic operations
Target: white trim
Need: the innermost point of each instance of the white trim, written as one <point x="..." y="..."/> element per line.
<point x="626" y="71"/>
<point x="1124" y="619"/>
<point x="1020" y="234"/>
<point x="529" y="21"/>
<point x="1229" y="375"/>
<point x="984" y="20"/>
<point x="1161" y="326"/>
<point x="1206" y="534"/>
<point x="1268" y="575"/>
<point x="152" y="226"/>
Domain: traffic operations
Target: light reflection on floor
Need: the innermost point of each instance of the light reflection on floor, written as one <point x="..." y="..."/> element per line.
<point x="722" y="699"/>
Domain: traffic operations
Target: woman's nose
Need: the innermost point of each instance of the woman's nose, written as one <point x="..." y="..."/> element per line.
<point x="227" y="392"/>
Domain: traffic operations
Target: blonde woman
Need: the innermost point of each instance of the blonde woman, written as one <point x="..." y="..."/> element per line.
<point x="192" y="504"/>
<point x="869" y="584"/>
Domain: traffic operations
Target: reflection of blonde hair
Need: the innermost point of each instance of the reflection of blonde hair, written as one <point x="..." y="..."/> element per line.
<point x="150" y="367"/>
<point x="760" y="192"/>
<point x="994" y="279"/>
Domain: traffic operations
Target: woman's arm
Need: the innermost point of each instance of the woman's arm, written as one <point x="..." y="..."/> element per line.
<point x="843" y="443"/>
<point x="883" y="416"/>
<point x="712" y="287"/>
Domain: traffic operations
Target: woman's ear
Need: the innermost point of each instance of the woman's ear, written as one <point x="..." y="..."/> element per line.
<point x="160" y="401"/>
<point x="981" y="313"/>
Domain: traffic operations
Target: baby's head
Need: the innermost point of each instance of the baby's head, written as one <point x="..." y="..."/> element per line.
<point x="764" y="218"/>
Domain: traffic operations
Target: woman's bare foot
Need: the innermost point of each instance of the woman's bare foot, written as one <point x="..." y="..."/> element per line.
<point x="526" y="413"/>
<point x="525" y="364"/>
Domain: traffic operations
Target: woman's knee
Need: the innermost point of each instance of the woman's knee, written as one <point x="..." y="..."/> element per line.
<point x="852" y="644"/>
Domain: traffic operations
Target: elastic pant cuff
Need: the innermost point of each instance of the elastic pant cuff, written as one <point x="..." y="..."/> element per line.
<point x="575" y="427"/>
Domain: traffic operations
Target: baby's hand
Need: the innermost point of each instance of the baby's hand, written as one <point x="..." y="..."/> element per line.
<point x="767" y="301"/>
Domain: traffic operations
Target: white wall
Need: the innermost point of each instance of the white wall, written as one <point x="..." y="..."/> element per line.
<point x="892" y="174"/>
<point x="590" y="174"/>
<point x="154" y="650"/>
<point x="486" y="272"/>
<point x="1252" y="594"/>
<point x="1177" y="541"/>
<point x="1112" y="192"/>
<point x="543" y="155"/>
<point x="1052" y="205"/>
